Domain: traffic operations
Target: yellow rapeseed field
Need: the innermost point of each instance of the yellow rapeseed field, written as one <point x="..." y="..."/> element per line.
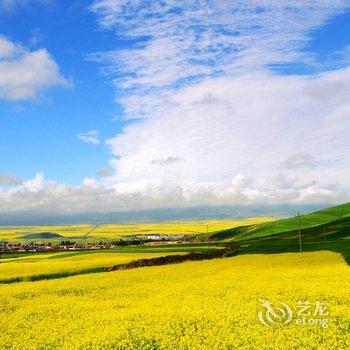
<point x="116" y="231"/>
<point x="61" y="262"/>
<point x="195" y="305"/>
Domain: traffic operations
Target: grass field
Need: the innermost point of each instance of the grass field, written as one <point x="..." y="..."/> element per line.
<point x="195" y="305"/>
<point x="327" y="229"/>
<point x="307" y="221"/>
<point x="116" y="231"/>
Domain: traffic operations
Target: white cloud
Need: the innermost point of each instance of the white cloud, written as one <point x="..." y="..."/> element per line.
<point x="9" y="179"/>
<point x="36" y="37"/>
<point x="298" y="160"/>
<point x="12" y="4"/>
<point x="165" y="161"/>
<point x="7" y="48"/>
<point x="23" y="73"/>
<point x="92" y="137"/>
<point x="105" y="173"/>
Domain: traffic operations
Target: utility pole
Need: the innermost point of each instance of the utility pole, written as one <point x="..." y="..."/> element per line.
<point x="208" y="237"/>
<point x="299" y="231"/>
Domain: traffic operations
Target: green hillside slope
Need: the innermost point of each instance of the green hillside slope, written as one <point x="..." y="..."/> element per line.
<point x="315" y="219"/>
<point x="333" y="236"/>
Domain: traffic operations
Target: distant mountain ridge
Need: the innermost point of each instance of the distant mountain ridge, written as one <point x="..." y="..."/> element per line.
<point x="166" y="214"/>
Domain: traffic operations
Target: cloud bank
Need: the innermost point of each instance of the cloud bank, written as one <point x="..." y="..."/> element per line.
<point x="51" y="198"/>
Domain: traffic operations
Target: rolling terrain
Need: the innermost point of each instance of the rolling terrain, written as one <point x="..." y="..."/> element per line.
<point x="315" y="219"/>
<point x="209" y="304"/>
<point x="327" y="229"/>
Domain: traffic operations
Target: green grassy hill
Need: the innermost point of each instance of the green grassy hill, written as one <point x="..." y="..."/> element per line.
<point x="327" y="229"/>
<point x="308" y="221"/>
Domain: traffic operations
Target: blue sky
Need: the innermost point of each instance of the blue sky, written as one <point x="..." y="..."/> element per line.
<point x="212" y="102"/>
<point x="40" y="134"/>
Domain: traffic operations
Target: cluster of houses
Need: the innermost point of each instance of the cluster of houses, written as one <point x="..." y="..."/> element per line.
<point x="40" y="246"/>
<point x="68" y="245"/>
<point x="158" y="238"/>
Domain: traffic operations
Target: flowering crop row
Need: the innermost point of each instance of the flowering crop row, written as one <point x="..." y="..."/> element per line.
<point x="55" y="263"/>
